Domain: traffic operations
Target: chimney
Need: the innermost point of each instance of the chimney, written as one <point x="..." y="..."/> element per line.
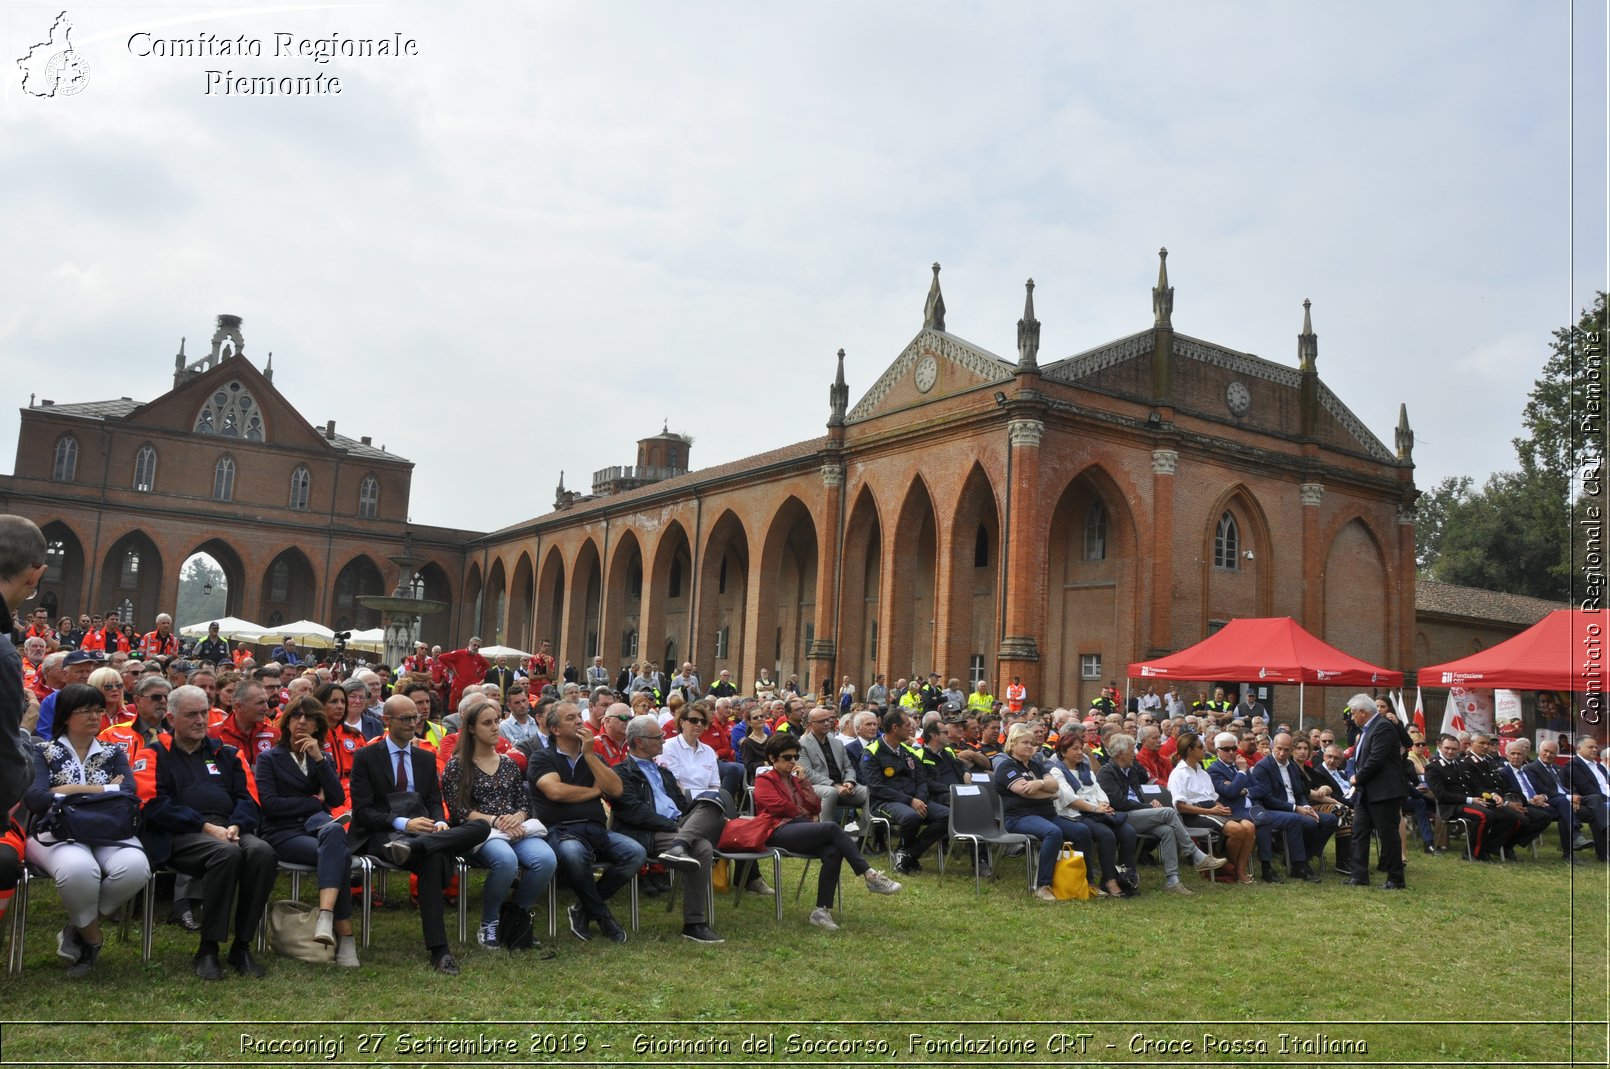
<point x="45" y="402"/>
<point x="366" y="440"/>
<point x="329" y="430"/>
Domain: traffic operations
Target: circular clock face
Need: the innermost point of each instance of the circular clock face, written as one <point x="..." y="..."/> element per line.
<point x="927" y="373"/>
<point x="1239" y="398"/>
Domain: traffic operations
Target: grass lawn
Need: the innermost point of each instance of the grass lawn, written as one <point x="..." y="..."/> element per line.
<point x="1477" y="964"/>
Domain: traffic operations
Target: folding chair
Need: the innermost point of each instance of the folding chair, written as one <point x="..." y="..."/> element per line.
<point x="976" y="816"/>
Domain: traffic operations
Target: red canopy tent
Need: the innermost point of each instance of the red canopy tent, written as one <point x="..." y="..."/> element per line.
<point x="1271" y="650"/>
<point x="1562" y="651"/>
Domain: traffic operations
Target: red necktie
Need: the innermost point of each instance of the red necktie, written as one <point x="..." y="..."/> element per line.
<point x="402" y="770"/>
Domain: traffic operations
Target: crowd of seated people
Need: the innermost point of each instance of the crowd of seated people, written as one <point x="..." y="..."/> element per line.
<point x="237" y="766"/>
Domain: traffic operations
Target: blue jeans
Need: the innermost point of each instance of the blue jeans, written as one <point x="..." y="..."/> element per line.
<point x="505" y="859"/>
<point x="577" y="847"/>
<point x="1052" y="832"/>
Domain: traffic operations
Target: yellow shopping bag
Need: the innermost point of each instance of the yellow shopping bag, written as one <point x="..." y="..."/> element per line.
<point x="1068" y="878"/>
<point x="718" y="875"/>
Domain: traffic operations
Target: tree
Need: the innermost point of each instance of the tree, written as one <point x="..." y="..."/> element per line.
<point x="1514" y="534"/>
<point x="195" y="605"/>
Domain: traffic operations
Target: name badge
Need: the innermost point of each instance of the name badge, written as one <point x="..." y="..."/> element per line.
<point x="212" y="769"/>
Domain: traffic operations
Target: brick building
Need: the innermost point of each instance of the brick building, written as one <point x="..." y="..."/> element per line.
<point x="989" y="517"/>
<point x="300" y="518"/>
<point x="972" y="514"/>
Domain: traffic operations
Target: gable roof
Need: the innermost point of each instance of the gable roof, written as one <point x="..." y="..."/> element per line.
<point x="975" y="360"/>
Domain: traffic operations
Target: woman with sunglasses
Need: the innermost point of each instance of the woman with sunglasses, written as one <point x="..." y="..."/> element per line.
<point x="93" y="880"/>
<point x="1214" y="800"/>
<point x="109" y="681"/>
<point x="691" y="761"/>
<point x="784" y="795"/>
<point x="299" y="790"/>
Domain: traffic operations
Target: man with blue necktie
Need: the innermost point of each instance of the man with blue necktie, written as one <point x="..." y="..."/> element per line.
<point x="1529" y="799"/>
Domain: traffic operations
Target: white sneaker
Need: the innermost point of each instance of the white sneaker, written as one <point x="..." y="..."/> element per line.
<point x="823" y="919"/>
<point x="346" y="952"/>
<point x="69" y="947"/>
<point x="879" y="884"/>
<point x="324" y="929"/>
<point x="1043" y="893"/>
<point x="487" y="936"/>
<point x="758" y="886"/>
<point x="1207" y="863"/>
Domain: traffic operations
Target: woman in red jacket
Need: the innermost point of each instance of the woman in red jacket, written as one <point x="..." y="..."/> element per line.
<point x="784" y="795"/>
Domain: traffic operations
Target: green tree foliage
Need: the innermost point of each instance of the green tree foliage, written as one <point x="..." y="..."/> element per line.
<point x="1513" y="534"/>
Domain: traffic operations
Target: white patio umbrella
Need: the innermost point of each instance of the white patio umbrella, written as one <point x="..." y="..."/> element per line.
<point x="304" y="631"/>
<point x="370" y="641"/>
<point x="492" y="653"/>
<point x="230" y="627"/>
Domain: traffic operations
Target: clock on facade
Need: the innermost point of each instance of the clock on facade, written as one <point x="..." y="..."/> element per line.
<point x="927" y="373"/>
<point x="1239" y="398"/>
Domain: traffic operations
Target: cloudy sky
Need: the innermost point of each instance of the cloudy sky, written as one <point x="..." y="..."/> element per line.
<point x="561" y="224"/>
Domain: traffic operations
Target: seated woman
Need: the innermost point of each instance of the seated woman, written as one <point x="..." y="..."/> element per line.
<point x="784" y="795"/>
<point x="1027" y="789"/>
<point x="92" y="879"/>
<point x="482" y="784"/>
<point x="109" y="681"/>
<point x="300" y="793"/>
<point x="1080" y="797"/>
<point x="1197" y="798"/>
<point x="752" y="747"/>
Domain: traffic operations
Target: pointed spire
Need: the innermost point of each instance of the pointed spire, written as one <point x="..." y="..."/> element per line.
<point x="838" y="396"/>
<point x="933" y="312"/>
<point x="1028" y="332"/>
<point x="1163" y="293"/>
<point x="1307" y="342"/>
<point x="1405" y="435"/>
<point x="268" y="370"/>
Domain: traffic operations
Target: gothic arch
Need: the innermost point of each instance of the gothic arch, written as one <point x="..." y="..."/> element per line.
<point x="719" y="639"/>
<point x="861" y="573"/>
<point x="289" y="588"/>
<point x="668" y="595"/>
<point x="62" y="590"/>
<point x="910" y="583"/>
<point x="521" y="599"/>
<point x="357" y="577"/>
<point x="494" y="605"/>
<point x="550" y="607"/>
<point x="1246" y="590"/>
<point x="623" y="602"/>
<point x="786" y="623"/>
<point x="432" y="581"/>
<point x="584" y="614"/>
<point x="1356" y="612"/>
<point x="1093" y="597"/>
<point x="474" y="594"/>
<point x="131" y="579"/>
<point x="233" y="600"/>
<point x="968" y="630"/>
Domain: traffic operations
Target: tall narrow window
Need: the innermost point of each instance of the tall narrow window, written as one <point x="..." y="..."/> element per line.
<point x="145" y="469"/>
<point x="1227" y="543"/>
<point x="676" y="579"/>
<point x="55" y="554"/>
<point x="369" y="498"/>
<point x="1096" y="532"/>
<point x="301" y="483"/>
<point x="721" y="644"/>
<point x="129" y="574"/>
<point x="65" y="469"/>
<point x="279" y="581"/>
<point x="1090" y="666"/>
<point x="721" y="577"/>
<point x="223" y="479"/>
<point x="975" y="670"/>
<point x="981" y="547"/>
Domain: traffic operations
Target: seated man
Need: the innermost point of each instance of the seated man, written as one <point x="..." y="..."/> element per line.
<point x="1529" y="798"/>
<point x="1450" y="775"/>
<point x="1587" y="778"/>
<point x="1545" y="774"/>
<point x="397" y="811"/>
<point x="827" y="765"/>
<point x="201" y="822"/>
<point x="683" y="833"/>
<point x="568" y="782"/>
<point x="898" y="788"/>
<point x="1278" y="786"/>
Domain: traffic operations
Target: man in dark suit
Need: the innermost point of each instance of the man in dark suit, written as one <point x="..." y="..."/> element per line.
<point x="680" y="832"/>
<point x="1380" y="787"/>
<point x="1529" y="799"/>
<point x="397" y="807"/>
<point x="1452" y="777"/>
<point x="1278" y="786"/>
<point x="1587" y="778"/>
<point x="828" y="765"/>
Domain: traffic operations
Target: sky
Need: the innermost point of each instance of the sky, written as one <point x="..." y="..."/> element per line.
<point x="559" y="226"/>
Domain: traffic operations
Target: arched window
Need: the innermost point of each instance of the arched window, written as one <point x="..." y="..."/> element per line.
<point x="65" y="468"/>
<point x="55" y="558"/>
<point x="1227" y="543"/>
<point x="279" y="581"/>
<point x="223" y="479"/>
<point x="145" y="469"/>
<point x="369" y="498"/>
<point x="301" y="481"/>
<point x="232" y="413"/>
<point x="1096" y="532"/>
<point x="129" y="573"/>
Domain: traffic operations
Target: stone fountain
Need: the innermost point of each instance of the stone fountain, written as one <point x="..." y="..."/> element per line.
<point x="400" y="610"/>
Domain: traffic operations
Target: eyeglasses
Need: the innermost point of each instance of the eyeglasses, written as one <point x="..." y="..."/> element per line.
<point x="699" y="720"/>
<point x="786" y="757"/>
<point x="624" y="718"/>
<point x="1228" y="746"/>
<point x="409" y="719"/>
<point x="299" y="716"/>
<point x="109" y="687"/>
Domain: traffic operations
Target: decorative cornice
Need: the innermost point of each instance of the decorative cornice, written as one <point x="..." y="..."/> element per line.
<point x="1019" y="648"/>
<point x="1026" y="431"/>
<point x="1080" y="365"/>
<point x="1312" y="494"/>
<point x="1240" y="363"/>
<point x="832" y="475"/>
<point x="986" y="365"/>
<point x="1354" y="426"/>
<point x="1165" y="461"/>
<point x="1407" y="514"/>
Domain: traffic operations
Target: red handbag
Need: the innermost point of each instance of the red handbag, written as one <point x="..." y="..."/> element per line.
<point x="745" y="835"/>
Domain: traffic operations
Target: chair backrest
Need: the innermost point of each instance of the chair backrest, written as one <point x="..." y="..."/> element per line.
<point x="975" y="809"/>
